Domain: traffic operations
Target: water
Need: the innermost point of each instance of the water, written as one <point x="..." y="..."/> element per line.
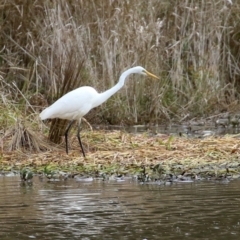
<point x="118" y="210"/>
<point x="178" y="129"/>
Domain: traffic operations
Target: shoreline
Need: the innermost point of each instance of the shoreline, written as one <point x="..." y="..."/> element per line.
<point x="150" y="158"/>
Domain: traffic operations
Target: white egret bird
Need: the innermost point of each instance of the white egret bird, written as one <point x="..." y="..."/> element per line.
<point x="77" y="103"/>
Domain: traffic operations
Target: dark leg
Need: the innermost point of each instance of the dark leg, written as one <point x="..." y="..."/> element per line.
<point x="66" y="134"/>
<point x="79" y="139"/>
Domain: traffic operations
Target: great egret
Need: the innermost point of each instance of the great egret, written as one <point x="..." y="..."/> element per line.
<point x="77" y="103"/>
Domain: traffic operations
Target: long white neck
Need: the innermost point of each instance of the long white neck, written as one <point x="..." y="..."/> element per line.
<point x="102" y="97"/>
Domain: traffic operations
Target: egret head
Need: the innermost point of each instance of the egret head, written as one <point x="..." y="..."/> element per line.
<point x="143" y="71"/>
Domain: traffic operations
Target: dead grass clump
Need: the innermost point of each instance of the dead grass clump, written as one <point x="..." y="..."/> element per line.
<point x="21" y="137"/>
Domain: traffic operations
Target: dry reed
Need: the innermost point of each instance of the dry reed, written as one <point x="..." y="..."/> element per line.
<point x="192" y="45"/>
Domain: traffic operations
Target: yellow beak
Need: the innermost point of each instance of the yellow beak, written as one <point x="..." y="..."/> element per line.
<point x="151" y="75"/>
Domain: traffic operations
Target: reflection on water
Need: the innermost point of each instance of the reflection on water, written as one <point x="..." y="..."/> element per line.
<point x="118" y="210"/>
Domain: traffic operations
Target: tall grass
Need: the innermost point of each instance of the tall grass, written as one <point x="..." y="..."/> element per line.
<point x="193" y="46"/>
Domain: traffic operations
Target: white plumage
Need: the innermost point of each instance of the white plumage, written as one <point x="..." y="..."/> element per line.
<point x="73" y="105"/>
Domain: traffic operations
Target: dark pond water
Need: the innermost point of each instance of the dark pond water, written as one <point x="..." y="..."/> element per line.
<point x="184" y="129"/>
<point x="118" y="210"/>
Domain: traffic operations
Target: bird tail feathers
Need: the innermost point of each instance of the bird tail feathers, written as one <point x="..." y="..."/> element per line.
<point x="44" y="114"/>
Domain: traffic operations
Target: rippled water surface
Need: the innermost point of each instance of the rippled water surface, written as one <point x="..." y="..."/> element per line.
<point x="118" y="210"/>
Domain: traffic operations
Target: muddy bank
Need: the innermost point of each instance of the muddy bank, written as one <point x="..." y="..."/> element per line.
<point x="149" y="158"/>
